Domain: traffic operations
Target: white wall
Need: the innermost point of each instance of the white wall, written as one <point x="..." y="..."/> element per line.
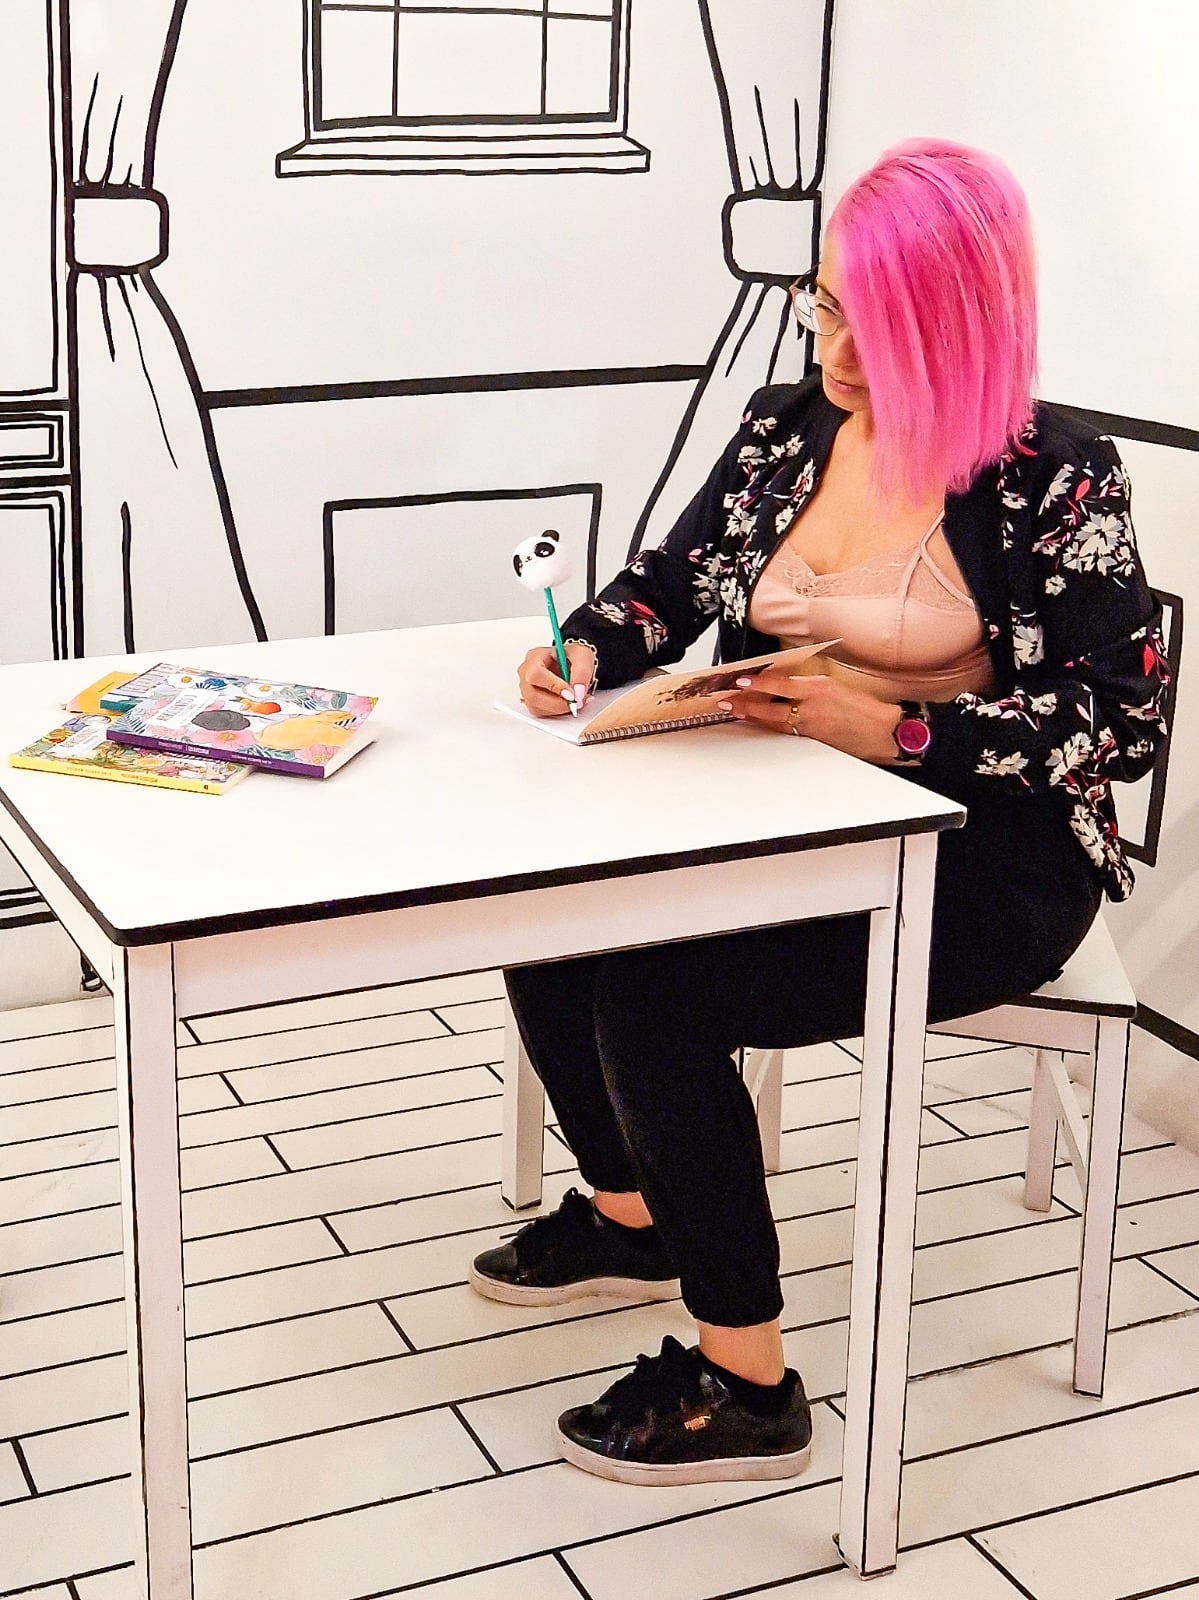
<point x="1092" y="104"/>
<point x="340" y="279"/>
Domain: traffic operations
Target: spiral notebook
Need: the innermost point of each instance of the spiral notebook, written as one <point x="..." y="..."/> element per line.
<point x="664" y="701"/>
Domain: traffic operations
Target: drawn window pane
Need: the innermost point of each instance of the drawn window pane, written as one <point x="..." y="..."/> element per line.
<point x="578" y="61"/>
<point x="357" y="49"/>
<point x="448" y="66"/>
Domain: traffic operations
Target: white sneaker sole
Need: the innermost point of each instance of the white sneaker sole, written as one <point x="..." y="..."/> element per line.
<point x="519" y="1294"/>
<point x="744" y="1469"/>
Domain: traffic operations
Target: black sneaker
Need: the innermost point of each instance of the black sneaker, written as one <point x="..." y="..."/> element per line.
<point x="572" y="1252"/>
<point x="673" y="1420"/>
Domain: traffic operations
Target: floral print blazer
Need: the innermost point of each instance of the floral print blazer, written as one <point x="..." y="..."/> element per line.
<point x="1044" y="541"/>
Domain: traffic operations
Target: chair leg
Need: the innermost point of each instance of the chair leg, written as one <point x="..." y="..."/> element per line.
<point x="1099" y="1205"/>
<point x="523" y="1140"/>
<point x="763" y="1071"/>
<point x="1042" y="1138"/>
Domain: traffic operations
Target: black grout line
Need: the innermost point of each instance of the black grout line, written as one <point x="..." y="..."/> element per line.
<point x="336" y="1122"/>
<point x="482" y="1448"/>
<point x="337" y="1239"/>
<point x="341" y="1511"/>
<point x="785" y="1581"/>
<point x="571" y="1575"/>
<point x="972" y="1541"/>
<point x="62" y="1311"/>
<point x="24" y="1466"/>
<point x="339" y="1086"/>
<point x="409" y="1347"/>
<point x="1145" y="1262"/>
<point x="1081" y="1418"/>
<point x="1066" y="1505"/>
<point x="223" y="1077"/>
<point x="1051" y="1344"/>
<point x="214" y="1045"/>
<point x="70" y="1427"/>
<point x="337" y="994"/>
<point x="71" y="1589"/>
<point x="1068" y="1209"/>
<point x="266" y="1139"/>
<point x="1163" y="1588"/>
<point x="961" y="1132"/>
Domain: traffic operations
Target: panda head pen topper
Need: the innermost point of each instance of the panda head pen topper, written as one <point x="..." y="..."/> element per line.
<point x="541" y="562"/>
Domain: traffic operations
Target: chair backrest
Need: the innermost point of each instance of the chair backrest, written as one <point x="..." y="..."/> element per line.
<point x="1146" y="849"/>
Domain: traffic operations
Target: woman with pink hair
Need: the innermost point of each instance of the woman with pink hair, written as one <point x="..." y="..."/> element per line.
<point x="971" y="552"/>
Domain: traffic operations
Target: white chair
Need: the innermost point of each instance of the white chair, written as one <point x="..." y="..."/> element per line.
<point x="1087" y="1011"/>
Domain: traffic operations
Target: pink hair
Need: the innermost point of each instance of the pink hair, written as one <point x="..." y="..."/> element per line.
<point x="938" y="285"/>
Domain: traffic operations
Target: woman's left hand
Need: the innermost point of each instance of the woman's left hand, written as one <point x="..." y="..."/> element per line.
<point x="820" y="708"/>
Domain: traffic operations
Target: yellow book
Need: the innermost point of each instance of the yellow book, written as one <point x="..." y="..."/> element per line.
<point x="87" y="701"/>
<point x="80" y="748"/>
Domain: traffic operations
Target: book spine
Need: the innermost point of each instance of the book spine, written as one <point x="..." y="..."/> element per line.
<point x="181" y="747"/>
<point x="634" y="730"/>
<point x="148" y="780"/>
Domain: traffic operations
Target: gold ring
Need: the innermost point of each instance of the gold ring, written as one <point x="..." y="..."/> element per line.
<point x="791" y="716"/>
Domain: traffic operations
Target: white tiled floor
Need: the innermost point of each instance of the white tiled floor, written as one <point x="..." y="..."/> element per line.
<point x="363" y="1425"/>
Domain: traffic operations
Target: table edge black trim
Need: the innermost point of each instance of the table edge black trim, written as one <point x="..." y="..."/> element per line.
<point x="446" y="894"/>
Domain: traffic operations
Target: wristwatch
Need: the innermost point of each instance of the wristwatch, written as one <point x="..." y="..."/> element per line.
<point x="912" y="733"/>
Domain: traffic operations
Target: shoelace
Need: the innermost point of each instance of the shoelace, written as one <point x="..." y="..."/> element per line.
<point x="658" y="1382"/>
<point x="573" y="1213"/>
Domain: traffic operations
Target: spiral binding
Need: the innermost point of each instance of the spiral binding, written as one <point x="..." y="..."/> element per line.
<point x="636" y="728"/>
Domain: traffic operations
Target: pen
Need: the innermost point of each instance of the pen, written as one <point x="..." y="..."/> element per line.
<point x="563" y="663"/>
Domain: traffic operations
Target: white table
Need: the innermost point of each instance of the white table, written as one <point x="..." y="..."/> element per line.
<point x="462" y="841"/>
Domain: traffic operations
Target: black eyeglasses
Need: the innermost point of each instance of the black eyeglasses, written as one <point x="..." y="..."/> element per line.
<point x="813" y="312"/>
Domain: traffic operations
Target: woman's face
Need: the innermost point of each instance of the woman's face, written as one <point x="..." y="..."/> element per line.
<point x="844" y="380"/>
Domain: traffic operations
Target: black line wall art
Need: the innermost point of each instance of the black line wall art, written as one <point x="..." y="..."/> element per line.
<point x="402" y="87"/>
<point x="771" y="75"/>
<point x="153" y="519"/>
<point x="381" y="547"/>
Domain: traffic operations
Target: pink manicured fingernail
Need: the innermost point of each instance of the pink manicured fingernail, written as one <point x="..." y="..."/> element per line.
<point x="582" y="695"/>
<point x="745" y="683"/>
<point x="725" y="705"/>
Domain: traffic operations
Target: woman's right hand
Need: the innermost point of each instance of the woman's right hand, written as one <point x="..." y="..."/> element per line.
<point x="541" y="684"/>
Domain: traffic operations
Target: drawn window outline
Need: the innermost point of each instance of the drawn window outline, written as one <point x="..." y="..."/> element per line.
<point x="361" y="115"/>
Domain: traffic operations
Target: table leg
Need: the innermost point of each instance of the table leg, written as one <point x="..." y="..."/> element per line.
<point x="885" y="1214"/>
<point x="148" y="1121"/>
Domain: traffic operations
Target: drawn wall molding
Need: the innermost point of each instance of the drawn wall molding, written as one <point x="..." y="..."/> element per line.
<point x="153" y="523"/>
<point x="396" y="88"/>
<point x="771" y="66"/>
<point x="383" y="544"/>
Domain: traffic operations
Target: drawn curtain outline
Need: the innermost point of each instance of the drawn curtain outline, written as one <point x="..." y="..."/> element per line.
<point x="389" y="88"/>
<point x="154" y="536"/>
<point x="770" y="60"/>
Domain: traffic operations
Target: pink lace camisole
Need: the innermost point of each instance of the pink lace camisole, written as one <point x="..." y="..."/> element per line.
<point x="906" y="630"/>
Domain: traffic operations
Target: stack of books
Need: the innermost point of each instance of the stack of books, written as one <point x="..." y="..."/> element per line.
<point x="179" y="728"/>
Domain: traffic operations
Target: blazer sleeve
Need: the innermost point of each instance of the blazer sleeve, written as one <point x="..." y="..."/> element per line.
<point x="664" y="599"/>
<point x="1090" y="669"/>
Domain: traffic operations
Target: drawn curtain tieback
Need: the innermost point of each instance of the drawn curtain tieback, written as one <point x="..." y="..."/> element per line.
<point x="156" y="562"/>
<point x="118" y="229"/>
<point x="770" y="60"/>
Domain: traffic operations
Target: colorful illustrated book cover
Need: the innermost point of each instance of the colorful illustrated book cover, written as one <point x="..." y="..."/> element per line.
<point x="282" y="727"/>
<point x="80" y="748"/>
<point x="124" y="692"/>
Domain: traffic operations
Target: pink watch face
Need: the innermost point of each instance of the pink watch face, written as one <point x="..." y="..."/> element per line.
<point x="913" y="736"/>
